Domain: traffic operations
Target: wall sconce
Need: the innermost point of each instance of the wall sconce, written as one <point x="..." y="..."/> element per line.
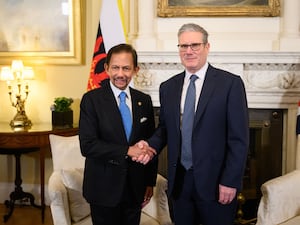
<point x="19" y="73"/>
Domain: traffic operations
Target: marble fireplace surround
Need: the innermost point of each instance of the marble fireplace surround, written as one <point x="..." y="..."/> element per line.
<point x="272" y="81"/>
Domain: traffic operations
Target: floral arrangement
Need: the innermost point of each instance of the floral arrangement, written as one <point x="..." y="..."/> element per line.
<point x="62" y="104"/>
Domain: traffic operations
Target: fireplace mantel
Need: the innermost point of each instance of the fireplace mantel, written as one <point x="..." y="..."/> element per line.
<point x="225" y="57"/>
<point x="272" y="81"/>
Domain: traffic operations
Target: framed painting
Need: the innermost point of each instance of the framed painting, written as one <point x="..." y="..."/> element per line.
<point x="41" y="32"/>
<point x="184" y="8"/>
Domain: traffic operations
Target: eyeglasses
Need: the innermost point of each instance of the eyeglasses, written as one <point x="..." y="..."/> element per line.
<point x="193" y="46"/>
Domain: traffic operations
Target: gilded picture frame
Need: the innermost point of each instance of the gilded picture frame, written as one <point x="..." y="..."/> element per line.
<point x="186" y="8"/>
<point x="42" y="32"/>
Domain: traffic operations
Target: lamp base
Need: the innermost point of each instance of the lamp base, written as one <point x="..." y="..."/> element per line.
<point x="20" y="120"/>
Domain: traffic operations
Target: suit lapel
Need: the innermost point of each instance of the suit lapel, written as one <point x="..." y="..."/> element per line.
<point x="137" y="112"/>
<point x="206" y="92"/>
<point x="176" y="99"/>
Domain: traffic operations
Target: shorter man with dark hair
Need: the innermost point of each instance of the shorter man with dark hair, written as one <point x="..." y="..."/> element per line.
<point x="112" y="118"/>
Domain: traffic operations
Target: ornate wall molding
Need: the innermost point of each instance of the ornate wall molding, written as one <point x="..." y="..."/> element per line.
<point x="262" y="73"/>
<point x="267" y="76"/>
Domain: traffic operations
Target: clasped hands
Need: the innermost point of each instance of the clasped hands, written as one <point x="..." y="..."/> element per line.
<point x="141" y="152"/>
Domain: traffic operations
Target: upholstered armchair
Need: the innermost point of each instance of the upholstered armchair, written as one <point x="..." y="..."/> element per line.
<point x="280" y="202"/>
<point x="68" y="207"/>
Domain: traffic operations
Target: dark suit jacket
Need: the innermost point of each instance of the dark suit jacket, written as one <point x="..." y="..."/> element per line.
<point x="220" y="133"/>
<point x="103" y="142"/>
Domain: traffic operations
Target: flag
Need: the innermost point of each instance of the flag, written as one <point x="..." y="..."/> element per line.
<point x="298" y="120"/>
<point x="110" y="32"/>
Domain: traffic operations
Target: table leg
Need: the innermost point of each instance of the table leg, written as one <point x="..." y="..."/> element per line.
<point x="18" y="193"/>
<point x="42" y="178"/>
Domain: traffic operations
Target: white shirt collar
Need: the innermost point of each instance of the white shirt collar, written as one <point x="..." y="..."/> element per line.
<point x="200" y="73"/>
<point x="117" y="91"/>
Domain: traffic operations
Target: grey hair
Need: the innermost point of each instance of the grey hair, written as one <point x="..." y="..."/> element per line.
<point x="194" y="28"/>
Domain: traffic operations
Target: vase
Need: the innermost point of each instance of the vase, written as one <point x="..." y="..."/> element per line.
<point x="62" y="119"/>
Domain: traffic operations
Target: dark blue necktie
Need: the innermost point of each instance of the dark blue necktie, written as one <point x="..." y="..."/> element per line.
<point x="125" y="113"/>
<point x="187" y="124"/>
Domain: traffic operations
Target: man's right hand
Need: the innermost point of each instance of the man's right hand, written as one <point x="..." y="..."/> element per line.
<point x="141" y="152"/>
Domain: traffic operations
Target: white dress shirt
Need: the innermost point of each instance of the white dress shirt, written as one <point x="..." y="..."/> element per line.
<point x="198" y="85"/>
<point x="117" y="92"/>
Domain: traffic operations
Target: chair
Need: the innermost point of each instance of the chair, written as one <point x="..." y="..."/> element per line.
<point x="280" y="202"/>
<point x="68" y="207"/>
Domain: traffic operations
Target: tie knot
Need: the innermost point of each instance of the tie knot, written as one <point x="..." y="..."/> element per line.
<point x="122" y="96"/>
<point x="193" y="78"/>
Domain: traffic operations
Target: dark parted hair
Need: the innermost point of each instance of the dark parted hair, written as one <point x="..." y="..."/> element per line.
<point x="122" y="48"/>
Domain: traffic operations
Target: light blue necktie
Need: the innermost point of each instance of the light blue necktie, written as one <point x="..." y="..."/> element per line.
<point x="187" y="124"/>
<point x="125" y="113"/>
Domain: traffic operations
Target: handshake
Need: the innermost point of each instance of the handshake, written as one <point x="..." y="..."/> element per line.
<point x="141" y="152"/>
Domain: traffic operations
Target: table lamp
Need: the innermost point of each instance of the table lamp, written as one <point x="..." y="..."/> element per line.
<point x="19" y="74"/>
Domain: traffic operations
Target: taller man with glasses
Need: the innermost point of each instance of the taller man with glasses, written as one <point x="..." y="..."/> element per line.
<point x="204" y="123"/>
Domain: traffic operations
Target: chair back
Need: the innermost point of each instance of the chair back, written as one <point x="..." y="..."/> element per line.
<point x="66" y="152"/>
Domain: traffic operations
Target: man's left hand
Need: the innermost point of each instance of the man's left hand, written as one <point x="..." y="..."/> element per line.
<point x="226" y="194"/>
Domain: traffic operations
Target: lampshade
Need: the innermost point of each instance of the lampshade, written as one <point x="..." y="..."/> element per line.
<point x="17" y="71"/>
<point x="17" y="66"/>
<point x="6" y="74"/>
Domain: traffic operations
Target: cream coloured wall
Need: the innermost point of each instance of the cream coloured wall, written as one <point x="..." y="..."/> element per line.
<point x="228" y="34"/>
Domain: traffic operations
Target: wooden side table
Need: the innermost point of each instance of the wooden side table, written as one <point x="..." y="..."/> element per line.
<point x="20" y="142"/>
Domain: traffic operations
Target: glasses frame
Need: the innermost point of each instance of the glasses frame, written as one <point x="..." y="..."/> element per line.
<point x="192" y="46"/>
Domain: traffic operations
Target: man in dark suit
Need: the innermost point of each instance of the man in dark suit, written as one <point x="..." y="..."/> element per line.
<point x="115" y="186"/>
<point x="204" y="190"/>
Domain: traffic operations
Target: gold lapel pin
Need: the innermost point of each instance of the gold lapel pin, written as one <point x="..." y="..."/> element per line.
<point x="139" y="103"/>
